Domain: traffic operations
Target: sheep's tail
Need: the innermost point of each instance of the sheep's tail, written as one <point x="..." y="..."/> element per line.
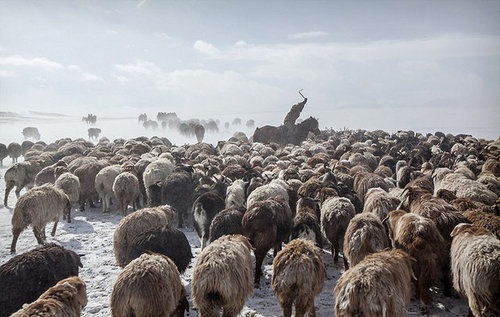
<point x="215" y="299"/>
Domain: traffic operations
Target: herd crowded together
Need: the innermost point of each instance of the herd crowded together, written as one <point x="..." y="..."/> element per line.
<point x="406" y="212"/>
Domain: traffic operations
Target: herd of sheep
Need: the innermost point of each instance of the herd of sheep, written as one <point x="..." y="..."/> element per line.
<point x="405" y="212"/>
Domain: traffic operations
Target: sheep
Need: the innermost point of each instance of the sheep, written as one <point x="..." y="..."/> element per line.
<point x="20" y="175"/>
<point x="68" y="183"/>
<point x="136" y="223"/>
<point x="103" y="183"/>
<point x="364" y="235"/>
<point x="298" y="276"/>
<point x="177" y="191"/>
<point x="306" y="222"/>
<point x="86" y="174"/>
<point x="379" y="285"/>
<point x="336" y="212"/>
<point x="228" y="221"/>
<point x="165" y="240"/>
<point x="46" y="174"/>
<point x="379" y="202"/>
<point x="37" y="207"/>
<point x="26" y="276"/>
<point x="65" y="299"/>
<point x="149" y="286"/>
<point x="420" y="238"/>
<point x="204" y="210"/>
<point x="126" y="190"/>
<point x="267" y="225"/>
<point x="235" y="194"/>
<point x="484" y="220"/>
<point x="15" y="150"/>
<point x="444" y="215"/>
<point x="222" y="277"/>
<point x="157" y="171"/>
<point x="3" y="153"/>
<point x="462" y="186"/>
<point x="475" y="265"/>
<point x="364" y="181"/>
<point x="274" y="188"/>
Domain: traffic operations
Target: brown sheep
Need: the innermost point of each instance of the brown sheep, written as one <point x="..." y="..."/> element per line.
<point x="420" y="238"/>
<point x="486" y="220"/>
<point x="222" y="277"/>
<point x="37" y="207"/>
<point x="379" y="285"/>
<point x="475" y="264"/>
<point x="228" y="221"/>
<point x="149" y="286"/>
<point x="65" y="299"/>
<point x="267" y="225"/>
<point x="379" y="202"/>
<point x="298" y="276"/>
<point x="365" y="234"/>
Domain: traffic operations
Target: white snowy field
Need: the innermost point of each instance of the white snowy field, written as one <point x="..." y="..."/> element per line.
<point x="91" y="234"/>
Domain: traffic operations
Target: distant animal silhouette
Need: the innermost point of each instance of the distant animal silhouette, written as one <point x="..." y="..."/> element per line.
<point x="31" y="133"/>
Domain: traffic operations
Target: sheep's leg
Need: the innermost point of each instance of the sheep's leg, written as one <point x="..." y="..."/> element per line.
<point x="230" y="312"/>
<point x="423" y="294"/>
<point x="303" y="305"/>
<point x="15" y="235"/>
<point x="209" y="311"/>
<point x="180" y="219"/>
<point x="38" y="235"/>
<point x="259" y="258"/>
<point x="335" y="245"/>
<point x="277" y="248"/>
<point x="8" y="188"/>
<point x="287" y="307"/>
<point x="346" y="265"/>
<point x="53" y="233"/>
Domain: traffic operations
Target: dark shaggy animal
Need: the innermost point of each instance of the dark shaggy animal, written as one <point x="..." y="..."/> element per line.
<point x="228" y="221"/>
<point x="205" y="208"/>
<point x="26" y="276"/>
<point x="164" y="240"/>
<point x="177" y="191"/>
<point x="267" y="225"/>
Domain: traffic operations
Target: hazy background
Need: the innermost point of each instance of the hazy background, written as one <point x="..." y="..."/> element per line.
<point x="420" y="65"/>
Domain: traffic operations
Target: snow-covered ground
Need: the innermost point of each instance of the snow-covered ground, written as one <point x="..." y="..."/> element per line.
<point x="91" y="235"/>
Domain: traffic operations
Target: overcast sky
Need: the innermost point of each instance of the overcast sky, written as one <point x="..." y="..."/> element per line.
<point x="362" y="64"/>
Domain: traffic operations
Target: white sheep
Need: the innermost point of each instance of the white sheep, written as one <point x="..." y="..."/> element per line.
<point x="222" y="277"/>
<point x="37" y="207"/>
<point x="298" y="276"/>
<point x="126" y="189"/>
<point x="149" y="286"/>
<point x="235" y="194"/>
<point x="137" y="223"/>
<point x="475" y="264"/>
<point x="157" y="172"/>
<point x="275" y="188"/>
<point x="65" y="299"/>
<point x="462" y="186"/>
<point x="104" y="184"/>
